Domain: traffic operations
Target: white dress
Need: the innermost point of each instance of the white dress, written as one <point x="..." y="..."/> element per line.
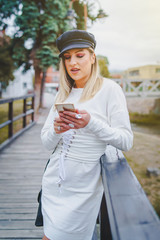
<point x="72" y="187"/>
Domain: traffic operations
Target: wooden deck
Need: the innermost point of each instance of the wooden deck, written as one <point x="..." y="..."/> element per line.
<point x="21" y="170"/>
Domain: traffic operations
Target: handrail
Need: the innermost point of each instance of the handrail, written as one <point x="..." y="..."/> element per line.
<point x="7" y="100"/>
<point x="128" y="214"/>
<point x="12" y="119"/>
<point x="140" y="87"/>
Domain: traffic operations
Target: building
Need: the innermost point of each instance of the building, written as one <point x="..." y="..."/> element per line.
<point x="21" y="85"/>
<point x="150" y="72"/>
<point x="52" y="80"/>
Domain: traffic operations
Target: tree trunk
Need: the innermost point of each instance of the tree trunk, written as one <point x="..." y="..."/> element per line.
<point x="42" y="88"/>
<point x="37" y="88"/>
<point x="0" y="90"/>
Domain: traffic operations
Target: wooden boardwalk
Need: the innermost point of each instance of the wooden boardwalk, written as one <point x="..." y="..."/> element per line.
<point x="21" y="170"/>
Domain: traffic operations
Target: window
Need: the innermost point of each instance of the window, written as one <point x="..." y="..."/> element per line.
<point x="24" y="85"/>
<point x="55" y="79"/>
<point x="134" y="73"/>
<point x="157" y="70"/>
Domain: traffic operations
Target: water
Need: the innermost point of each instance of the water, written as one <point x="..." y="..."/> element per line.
<point x="153" y="130"/>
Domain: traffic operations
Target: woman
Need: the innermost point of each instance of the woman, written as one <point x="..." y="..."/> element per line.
<point x="72" y="187"/>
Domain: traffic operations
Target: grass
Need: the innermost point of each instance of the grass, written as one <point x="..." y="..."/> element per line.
<point x="145" y="119"/>
<point x="17" y="125"/>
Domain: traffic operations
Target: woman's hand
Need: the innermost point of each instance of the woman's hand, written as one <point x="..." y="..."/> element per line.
<point x="60" y="126"/>
<point x="75" y="120"/>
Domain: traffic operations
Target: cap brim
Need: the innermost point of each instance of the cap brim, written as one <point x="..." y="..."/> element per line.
<point x="73" y="46"/>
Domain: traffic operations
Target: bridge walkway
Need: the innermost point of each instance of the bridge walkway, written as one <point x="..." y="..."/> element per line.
<point x="21" y="168"/>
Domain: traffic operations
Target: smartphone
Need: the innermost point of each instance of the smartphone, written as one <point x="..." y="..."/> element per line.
<point x="65" y="107"/>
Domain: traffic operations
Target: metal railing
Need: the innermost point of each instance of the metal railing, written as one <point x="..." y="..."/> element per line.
<point x="12" y="119"/>
<point x="126" y="213"/>
<point x="140" y="87"/>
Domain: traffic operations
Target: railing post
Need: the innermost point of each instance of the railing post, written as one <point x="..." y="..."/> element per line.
<point x="124" y="85"/>
<point x="33" y="109"/>
<point x="10" y="117"/>
<point x="24" y="111"/>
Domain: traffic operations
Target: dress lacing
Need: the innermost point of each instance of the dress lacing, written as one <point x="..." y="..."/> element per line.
<point x="66" y="143"/>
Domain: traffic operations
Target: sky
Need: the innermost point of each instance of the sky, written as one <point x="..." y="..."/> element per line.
<point x="130" y="36"/>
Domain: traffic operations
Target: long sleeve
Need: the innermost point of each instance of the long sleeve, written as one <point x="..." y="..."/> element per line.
<point x="48" y="135"/>
<point x="118" y="132"/>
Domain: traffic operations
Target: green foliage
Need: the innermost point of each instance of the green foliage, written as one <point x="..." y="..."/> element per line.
<point x="6" y="62"/>
<point x="7" y="8"/>
<point x="79" y="10"/>
<point x="46" y="55"/>
<point x="78" y="7"/>
<point x="103" y="65"/>
<point x="39" y="23"/>
<point x="105" y="59"/>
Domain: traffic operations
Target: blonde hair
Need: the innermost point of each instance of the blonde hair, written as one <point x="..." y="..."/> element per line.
<point x="92" y="86"/>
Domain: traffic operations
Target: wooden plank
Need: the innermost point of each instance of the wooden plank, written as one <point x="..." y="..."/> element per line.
<point x="18" y="211"/>
<point x="25" y="176"/>
<point x="18" y="205"/>
<point x="145" y="231"/>
<point x="137" y="210"/>
<point x="20" y="216"/>
<point x="15" y="191"/>
<point x="18" y="200"/>
<point x="21" y="169"/>
<point x="19" y="188"/>
<point x="22" y="197"/>
<point x="37" y="238"/>
<point x="14" y="233"/>
<point x="18" y="224"/>
<point x="20" y="183"/>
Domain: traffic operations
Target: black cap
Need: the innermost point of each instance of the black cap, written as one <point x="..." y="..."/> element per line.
<point x="75" y="39"/>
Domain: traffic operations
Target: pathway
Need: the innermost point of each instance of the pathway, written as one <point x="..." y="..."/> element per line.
<point x="21" y="170"/>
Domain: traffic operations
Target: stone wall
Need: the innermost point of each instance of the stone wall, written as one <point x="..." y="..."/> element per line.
<point x="143" y="105"/>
